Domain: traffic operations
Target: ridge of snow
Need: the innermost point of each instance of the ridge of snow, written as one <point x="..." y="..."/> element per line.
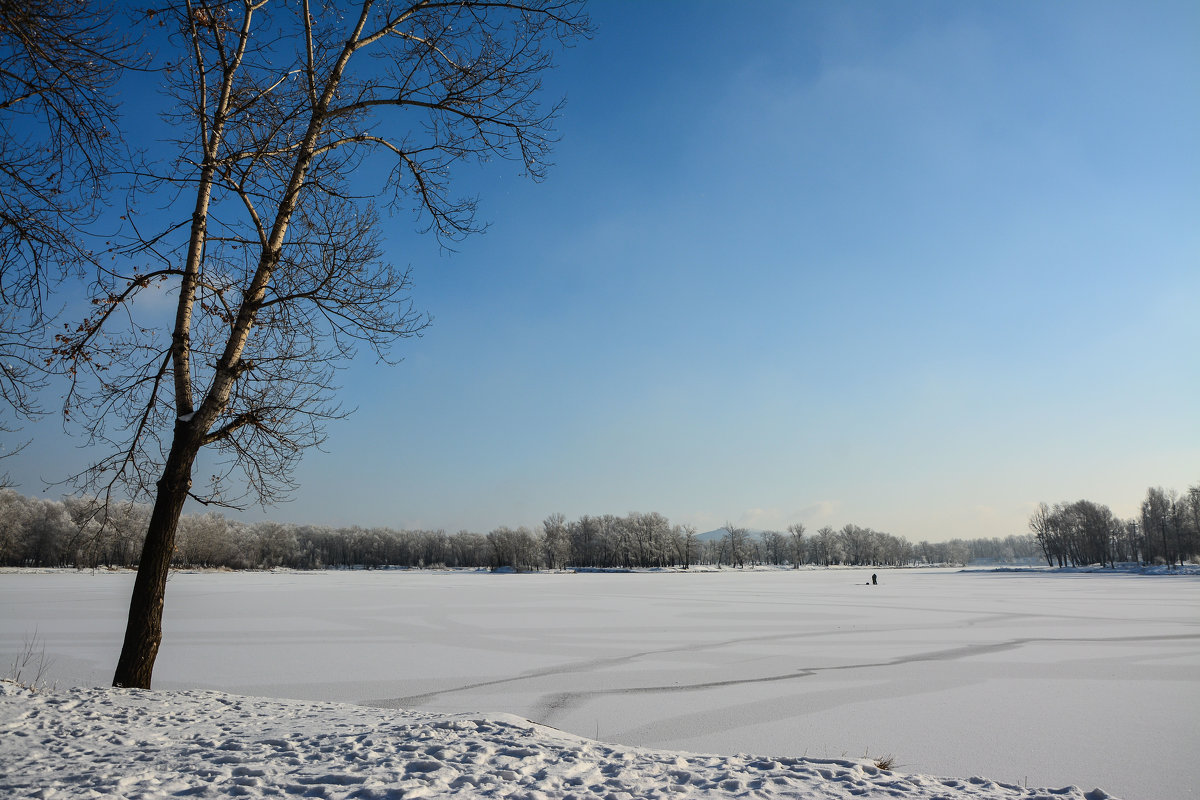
<point x="89" y="742"/>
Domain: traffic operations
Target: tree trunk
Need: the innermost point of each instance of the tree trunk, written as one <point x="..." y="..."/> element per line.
<point x="143" y="631"/>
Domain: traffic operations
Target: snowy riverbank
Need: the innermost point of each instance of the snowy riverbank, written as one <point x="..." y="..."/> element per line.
<point x="131" y="744"/>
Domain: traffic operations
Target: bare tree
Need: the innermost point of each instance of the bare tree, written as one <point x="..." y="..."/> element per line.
<point x="736" y="541"/>
<point x="1156" y="522"/>
<point x="685" y="536"/>
<point x="59" y="62"/>
<point x="773" y="545"/>
<point x="828" y="546"/>
<point x="1190" y="502"/>
<point x="857" y="544"/>
<point x="556" y="541"/>
<point x="274" y="262"/>
<point x="1042" y="525"/>
<point x="519" y="549"/>
<point x="796" y="529"/>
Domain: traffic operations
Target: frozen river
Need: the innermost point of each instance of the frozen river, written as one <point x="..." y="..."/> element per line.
<point x="1050" y="679"/>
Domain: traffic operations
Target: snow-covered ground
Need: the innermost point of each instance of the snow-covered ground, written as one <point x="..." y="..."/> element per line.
<point x="1027" y="678"/>
<point x="132" y="744"/>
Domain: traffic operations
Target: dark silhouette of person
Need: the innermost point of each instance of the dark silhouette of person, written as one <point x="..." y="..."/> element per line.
<point x="874" y="579"/>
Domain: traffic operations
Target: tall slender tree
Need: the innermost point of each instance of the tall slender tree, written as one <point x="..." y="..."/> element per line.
<point x="275" y="260"/>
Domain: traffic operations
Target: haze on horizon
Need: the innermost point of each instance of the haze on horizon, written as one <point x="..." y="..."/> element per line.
<point x="913" y="267"/>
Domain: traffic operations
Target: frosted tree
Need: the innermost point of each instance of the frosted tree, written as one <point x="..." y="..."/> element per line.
<point x="688" y="547"/>
<point x="796" y="529"/>
<point x="556" y="541"/>
<point x="736" y="544"/>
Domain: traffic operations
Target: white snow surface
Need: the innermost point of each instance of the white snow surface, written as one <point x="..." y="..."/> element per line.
<point x="137" y="744"/>
<point x="1030" y="678"/>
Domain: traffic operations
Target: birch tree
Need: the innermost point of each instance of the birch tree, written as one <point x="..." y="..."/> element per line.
<point x="275" y="262"/>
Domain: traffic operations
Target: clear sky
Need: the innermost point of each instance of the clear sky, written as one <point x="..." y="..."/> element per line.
<point x="916" y="266"/>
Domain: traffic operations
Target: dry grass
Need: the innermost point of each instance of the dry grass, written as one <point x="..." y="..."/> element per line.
<point x="30" y="667"/>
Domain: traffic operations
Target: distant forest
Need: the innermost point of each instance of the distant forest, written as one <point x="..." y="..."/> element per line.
<point x="81" y="533"/>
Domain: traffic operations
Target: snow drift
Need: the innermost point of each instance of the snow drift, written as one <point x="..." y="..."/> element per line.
<point x="133" y="744"/>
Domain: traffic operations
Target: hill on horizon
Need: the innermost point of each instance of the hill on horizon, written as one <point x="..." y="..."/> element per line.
<point x="721" y="533"/>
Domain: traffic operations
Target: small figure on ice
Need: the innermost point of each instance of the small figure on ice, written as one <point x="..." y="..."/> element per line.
<point x="874" y="579"/>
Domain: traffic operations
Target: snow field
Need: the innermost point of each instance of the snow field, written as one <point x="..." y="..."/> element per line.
<point x="1028" y="678"/>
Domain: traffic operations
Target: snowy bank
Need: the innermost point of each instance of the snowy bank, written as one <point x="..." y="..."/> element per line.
<point x="135" y="744"/>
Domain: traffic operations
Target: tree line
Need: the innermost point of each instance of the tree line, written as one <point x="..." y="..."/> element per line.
<point x="1083" y="532"/>
<point x="89" y="534"/>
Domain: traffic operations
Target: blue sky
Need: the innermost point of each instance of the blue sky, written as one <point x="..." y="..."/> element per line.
<point x="915" y="266"/>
